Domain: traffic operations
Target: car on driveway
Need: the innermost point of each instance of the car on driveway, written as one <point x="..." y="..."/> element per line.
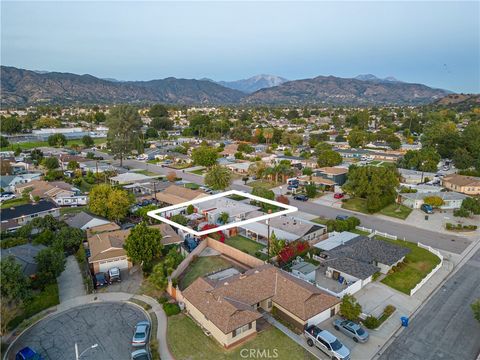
<point x="114" y="275"/>
<point x="326" y="342"/>
<point x="351" y="329"/>
<point x="27" y="353"/>
<point x="427" y="209"/>
<point x="301" y="197"/>
<point x="292" y="187"/>
<point x="338" y="195"/>
<point x="141" y="334"/>
<point x="142" y="354"/>
<point x="100" y="280"/>
<point x="7" y="196"/>
<point x="342" y="217"/>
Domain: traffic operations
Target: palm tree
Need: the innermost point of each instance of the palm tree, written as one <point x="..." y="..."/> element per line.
<point x="218" y="177"/>
<point x="268" y="134"/>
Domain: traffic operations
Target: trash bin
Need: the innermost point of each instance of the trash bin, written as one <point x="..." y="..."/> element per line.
<point x="426" y="217"/>
<point x="404" y="320"/>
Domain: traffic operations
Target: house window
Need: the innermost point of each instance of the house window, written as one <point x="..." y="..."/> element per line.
<point x="242" y="329"/>
<point x="269" y="303"/>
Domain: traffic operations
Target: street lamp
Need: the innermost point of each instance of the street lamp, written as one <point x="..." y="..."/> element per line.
<point x="77" y="357"/>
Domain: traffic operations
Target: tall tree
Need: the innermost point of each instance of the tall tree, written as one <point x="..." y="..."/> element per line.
<point x="204" y="156"/>
<point x="88" y="141"/>
<point x="57" y="140"/>
<point x="218" y="177"/>
<point x="109" y="202"/>
<point x="124" y="124"/>
<point x="143" y="244"/>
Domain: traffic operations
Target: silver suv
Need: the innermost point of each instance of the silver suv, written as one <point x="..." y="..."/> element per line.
<point x="326" y="342"/>
<point x="114" y="275"/>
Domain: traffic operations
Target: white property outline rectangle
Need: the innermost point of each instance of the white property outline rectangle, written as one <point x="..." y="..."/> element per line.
<point x="288" y="209"/>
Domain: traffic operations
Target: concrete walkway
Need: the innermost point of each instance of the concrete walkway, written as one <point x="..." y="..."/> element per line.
<point x="70" y="281"/>
<point x="119" y="297"/>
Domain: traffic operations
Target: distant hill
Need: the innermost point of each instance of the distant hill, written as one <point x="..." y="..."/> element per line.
<point x="254" y="83"/>
<point x="24" y="87"/>
<point x="340" y="91"/>
<point x="370" y="77"/>
<point x="460" y="102"/>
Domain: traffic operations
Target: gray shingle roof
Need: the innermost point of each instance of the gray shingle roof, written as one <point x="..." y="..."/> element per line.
<point x="25" y="256"/>
<point x="79" y="220"/>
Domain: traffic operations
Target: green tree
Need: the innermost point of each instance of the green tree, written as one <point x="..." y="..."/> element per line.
<point x="328" y="158"/>
<point x="204" y="156"/>
<point x="51" y="163"/>
<point x="375" y="184"/>
<point x="276" y="245"/>
<point x="443" y="136"/>
<point x="311" y="190"/>
<point x="190" y="209"/>
<point x="223" y="217"/>
<point x="143" y="244"/>
<point x="158" y="111"/>
<point x="462" y="158"/>
<point x="263" y="192"/>
<point x="476" y="309"/>
<point x="162" y="123"/>
<point x="179" y="219"/>
<point x="57" y="140"/>
<point x="87" y="141"/>
<point x="435" y="201"/>
<point x="350" y="308"/>
<point x="4" y="142"/>
<point x="50" y="264"/>
<point x="14" y="283"/>
<point x="68" y="239"/>
<point x="109" y="202"/>
<point x="124" y="124"/>
<point x="472" y="204"/>
<point x="11" y="125"/>
<point x="218" y="177"/>
<point x="151" y="133"/>
<point x="426" y="159"/>
<point x="357" y="138"/>
<point x="73" y="165"/>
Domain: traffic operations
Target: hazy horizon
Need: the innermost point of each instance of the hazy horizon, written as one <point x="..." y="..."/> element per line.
<point x="433" y="43"/>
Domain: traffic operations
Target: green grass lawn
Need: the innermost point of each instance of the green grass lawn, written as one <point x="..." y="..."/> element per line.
<point x="14" y="202"/>
<point x="187" y="341"/>
<point x="198" y="172"/>
<point x="356" y="204"/>
<point x="244" y="244"/>
<point x="41" y="301"/>
<point x="396" y="210"/>
<point x="35" y="144"/>
<point x="359" y="232"/>
<point x="319" y="220"/>
<point x="72" y="210"/>
<point x="192" y="186"/>
<point x="201" y="267"/>
<point x="418" y="263"/>
<point x="263" y="183"/>
<point x="146" y="173"/>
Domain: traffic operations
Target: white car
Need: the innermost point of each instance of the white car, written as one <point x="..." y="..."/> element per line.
<point x="7" y="196"/>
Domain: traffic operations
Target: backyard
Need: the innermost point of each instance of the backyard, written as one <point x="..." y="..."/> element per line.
<point x="199" y="346"/>
<point x="418" y="263"/>
<point x="393" y="210"/>
<point x="244" y="244"/>
<point x="202" y="266"/>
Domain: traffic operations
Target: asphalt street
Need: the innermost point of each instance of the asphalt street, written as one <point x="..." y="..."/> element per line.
<point x="110" y="325"/>
<point x="451" y="243"/>
<point x="445" y="328"/>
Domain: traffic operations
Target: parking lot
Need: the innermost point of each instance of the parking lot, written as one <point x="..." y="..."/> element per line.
<point x="110" y="325"/>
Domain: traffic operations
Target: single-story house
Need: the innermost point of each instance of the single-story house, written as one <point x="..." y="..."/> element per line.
<point x="169" y="235"/>
<point x="175" y="194"/>
<point x="60" y="192"/>
<point x="240" y="167"/>
<point x="25" y="256"/>
<point x="338" y="175"/>
<point x="469" y="185"/>
<point x="85" y="221"/>
<point x="10" y="182"/>
<point x="15" y="217"/>
<point x="451" y="200"/>
<point x="408" y="176"/>
<point x="236" y="210"/>
<point x="228" y="308"/>
<point x="106" y="251"/>
<point x="129" y="178"/>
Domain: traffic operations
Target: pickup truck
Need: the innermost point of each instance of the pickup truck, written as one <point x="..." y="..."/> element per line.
<point x="326" y="342"/>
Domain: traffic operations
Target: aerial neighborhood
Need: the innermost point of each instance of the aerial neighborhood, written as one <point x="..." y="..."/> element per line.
<point x="229" y="180"/>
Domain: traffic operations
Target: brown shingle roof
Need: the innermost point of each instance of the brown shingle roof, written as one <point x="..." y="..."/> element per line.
<point x="107" y="245"/>
<point x="169" y="236"/>
<point x="461" y="180"/>
<point x="333" y="170"/>
<point x="175" y="194"/>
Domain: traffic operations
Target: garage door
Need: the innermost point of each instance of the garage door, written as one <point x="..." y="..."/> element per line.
<point x="121" y="264"/>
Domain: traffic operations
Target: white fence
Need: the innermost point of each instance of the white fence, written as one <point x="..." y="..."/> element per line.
<point x="434" y="270"/>
<point x="352" y="289"/>
<point x="386" y="235"/>
<point x="361" y="228"/>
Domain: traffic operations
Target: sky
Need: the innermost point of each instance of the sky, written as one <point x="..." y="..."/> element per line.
<point x="434" y="43"/>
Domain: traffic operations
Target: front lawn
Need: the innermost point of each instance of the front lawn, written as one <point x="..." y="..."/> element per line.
<point x="187" y="341"/>
<point x="45" y="299"/>
<point x="146" y="172"/>
<point x="320" y="220"/>
<point x="244" y="244"/>
<point x="192" y="186"/>
<point x="202" y="266"/>
<point x="396" y="210"/>
<point x="267" y="184"/>
<point x="355" y="204"/>
<point x="418" y="263"/>
<point x="14" y="202"/>
<point x="198" y="172"/>
<point x="72" y="210"/>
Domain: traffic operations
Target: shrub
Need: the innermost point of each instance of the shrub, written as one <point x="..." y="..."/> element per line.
<point x="350" y="308"/>
<point x="371" y="322"/>
<point x="80" y="255"/>
<point x="376" y="275"/>
<point x="171" y="309"/>
<point x="163" y="299"/>
<point x="462" y="212"/>
<point x="8" y="243"/>
<point x="389" y="309"/>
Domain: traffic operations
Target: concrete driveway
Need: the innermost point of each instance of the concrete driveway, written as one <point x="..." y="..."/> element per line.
<point x="130" y="284"/>
<point x="110" y="325"/>
<point x="70" y="282"/>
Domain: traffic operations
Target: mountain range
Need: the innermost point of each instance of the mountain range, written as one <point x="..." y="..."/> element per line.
<point x="21" y="87"/>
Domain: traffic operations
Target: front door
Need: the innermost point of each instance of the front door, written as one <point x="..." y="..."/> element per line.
<point x="335" y="275"/>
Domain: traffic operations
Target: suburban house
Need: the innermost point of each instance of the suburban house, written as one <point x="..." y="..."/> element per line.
<point x="239" y="167"/>
<point x="106" y="250"/>
<point x="175" y="194"/>
<point x="284" y="227"/>
<point x="451" y="200"/>
<point x="468" y="185"/>
<point x="10" y="182"/>
<point x="129" y="178"/>
<point x="297" y="161"/>
<point x="60" y="192"/>
<point x="236" y="210"/>
<point x="362" y="153"/>
<point x="337" y="175"/>
<point x="353" y="258"/>
<point x="64" y="159"/>
<point x="16" y="217"/>
<point x="85" y="221"/>
<point x="408" y="176"/>
<point x="229" y="308"/>
<point x="24" y="255"/>
<point x="229" y="150"/>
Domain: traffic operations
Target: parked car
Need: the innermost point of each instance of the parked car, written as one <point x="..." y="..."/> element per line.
<point x="142" y="354"/>
<point x="427" y="209"/>
<point x="114" y="275"/>
<point x="351" y="329"/>
<point x="338" y="195"/>
<point x="27" y="353"/>
<point x="292" y="187"/>
<point x="141" y="334"/>
<point x="342" y="217"/>
<point x="326" y="342"/>
<point x="293" y="182"/>
<point x="301" y="197"/>
<point x="101" y="280"/>
<point x="7" y="196"/>
<point x="127" y="226"/>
